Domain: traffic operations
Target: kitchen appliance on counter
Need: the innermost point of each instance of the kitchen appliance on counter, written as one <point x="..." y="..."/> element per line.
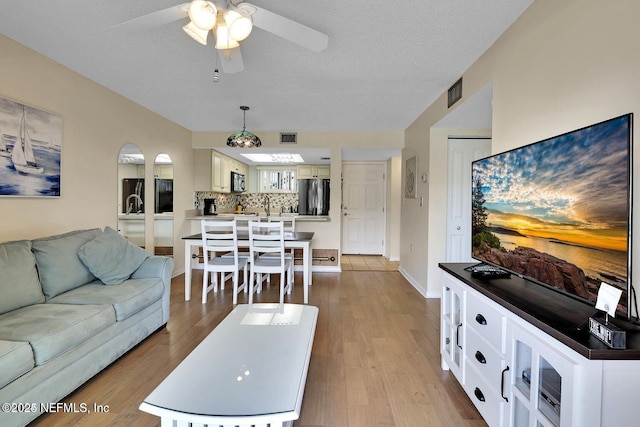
<point x="313" y="196"/>
<point x="237" y="182"/>
<point x="210" y="207"/>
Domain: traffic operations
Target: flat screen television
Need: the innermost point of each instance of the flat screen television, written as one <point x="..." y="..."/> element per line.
<point x="558" y="211"/>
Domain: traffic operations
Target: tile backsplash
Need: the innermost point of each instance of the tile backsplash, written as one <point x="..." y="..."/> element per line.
<point x="227" y="202"/>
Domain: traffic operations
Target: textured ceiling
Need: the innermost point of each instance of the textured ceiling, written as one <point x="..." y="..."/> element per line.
<point x="385" y="62"/>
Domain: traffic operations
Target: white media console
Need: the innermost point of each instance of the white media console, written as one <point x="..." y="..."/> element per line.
<point x="524" y="357"/>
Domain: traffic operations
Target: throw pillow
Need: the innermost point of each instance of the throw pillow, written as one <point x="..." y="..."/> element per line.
<point x="111" y="257"/>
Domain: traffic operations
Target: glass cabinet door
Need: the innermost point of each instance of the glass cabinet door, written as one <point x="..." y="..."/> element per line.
<point x="537" y="382"/>
<point x="452" y="336"/>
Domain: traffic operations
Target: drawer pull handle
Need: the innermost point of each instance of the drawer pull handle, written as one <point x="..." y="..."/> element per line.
<point x="480" y="319"/>
<point x="480" y="357"/>
<point x="479" y="394"/>
<point x="502" y="384"/>
<point x="458" y="336"/>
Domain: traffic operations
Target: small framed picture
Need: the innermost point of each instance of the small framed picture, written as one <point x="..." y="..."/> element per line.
<point x="411" y="178"/>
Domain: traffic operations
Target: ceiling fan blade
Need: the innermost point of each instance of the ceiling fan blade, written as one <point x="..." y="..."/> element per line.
<point x="288" y="29"/>
<point x="231" y="60"/>
<point x="155" y="19"/>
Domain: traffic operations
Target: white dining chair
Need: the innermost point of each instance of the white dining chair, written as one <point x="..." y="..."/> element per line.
<point x="289" y="225"/>
<point x="242" y="226"/>
<point x="221" y="237"/>
<point x="266" y="245"/>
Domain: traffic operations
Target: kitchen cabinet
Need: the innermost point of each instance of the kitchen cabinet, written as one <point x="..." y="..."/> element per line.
<point x="524" y="372"/>
<point x="213" y="171"/>
<point x="314" y="171"/>
<point x="159" y="171"/>
<point x="163" y="171"/>
<point x="220" y="173"/>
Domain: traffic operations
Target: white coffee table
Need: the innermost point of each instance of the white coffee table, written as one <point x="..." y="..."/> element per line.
<point x="250" y="370"/>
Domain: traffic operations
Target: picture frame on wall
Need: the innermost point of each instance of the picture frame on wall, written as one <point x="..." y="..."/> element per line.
<point x="411" y="178"/>
<point x="30" y="151"/>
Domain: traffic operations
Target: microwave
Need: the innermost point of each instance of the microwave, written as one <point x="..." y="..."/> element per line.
<point x="237" y="182"/>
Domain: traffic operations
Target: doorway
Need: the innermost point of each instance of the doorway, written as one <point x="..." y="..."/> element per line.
<point x="461" y="152"/>
<point x="363" y="208"/>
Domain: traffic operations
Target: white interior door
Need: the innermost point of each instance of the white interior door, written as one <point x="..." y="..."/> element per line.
<point x="363" y="201"/>
<point x="461" y="152"/>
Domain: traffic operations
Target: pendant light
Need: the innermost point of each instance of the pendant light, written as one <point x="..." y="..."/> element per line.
<point x="244" y="139"/>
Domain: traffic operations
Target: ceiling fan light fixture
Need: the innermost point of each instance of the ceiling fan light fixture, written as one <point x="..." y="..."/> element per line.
<point x="239" y="26"/>
<point x="198" y="34"/>
<point x="244" y="139"/>
<point x="203" y="14"/>
<point x="223" y="40"/>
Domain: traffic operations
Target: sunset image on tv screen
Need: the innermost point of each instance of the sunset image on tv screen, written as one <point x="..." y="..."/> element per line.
<point x="563" y="201"/>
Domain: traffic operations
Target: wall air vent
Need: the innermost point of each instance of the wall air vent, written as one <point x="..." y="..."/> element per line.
<point x="455" y="93"/>
<point x="288" y="138"/>
<point x="325" y="158"/>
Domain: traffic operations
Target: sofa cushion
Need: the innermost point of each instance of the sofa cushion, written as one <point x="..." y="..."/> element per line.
<point x="16" y="359"/>
<point x="58" y="263"/>
<point x="19" y="284"/>
<point x="52" y="329"/>
<point x="127" y="298"/>
<point x="111" y="257"/>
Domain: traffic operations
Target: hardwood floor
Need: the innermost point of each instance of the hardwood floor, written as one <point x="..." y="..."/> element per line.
<point x="367" y="263"/>
<point x="375" y="359"/>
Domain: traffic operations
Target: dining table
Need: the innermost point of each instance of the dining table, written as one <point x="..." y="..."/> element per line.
<point x="292" y="240"/>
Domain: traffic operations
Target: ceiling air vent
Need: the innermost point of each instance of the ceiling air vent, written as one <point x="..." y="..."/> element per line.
<point x="288" y="138"/>
<point x="455" y="93"/>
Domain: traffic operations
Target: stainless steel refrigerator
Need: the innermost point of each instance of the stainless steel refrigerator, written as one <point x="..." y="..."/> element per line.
<point x="313" y="196"/>
<point x="164" y="195"/>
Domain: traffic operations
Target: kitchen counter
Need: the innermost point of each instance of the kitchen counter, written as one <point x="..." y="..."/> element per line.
<point x="140" y="216"/>
<point x="230" y="215"/>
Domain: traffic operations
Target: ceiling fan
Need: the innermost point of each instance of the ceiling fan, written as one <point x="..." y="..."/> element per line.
<point x="230" y="23"/>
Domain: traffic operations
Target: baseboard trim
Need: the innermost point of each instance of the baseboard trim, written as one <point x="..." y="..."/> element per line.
<point x="323" y="269"/>
<point x="413" y="283"/>
<point x="419" y="288"/>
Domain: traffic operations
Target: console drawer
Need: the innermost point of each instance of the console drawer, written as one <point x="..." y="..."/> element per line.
<point x="484" y="358"/>
<point x="485" y="320"/>
<point x="488" y="402"/>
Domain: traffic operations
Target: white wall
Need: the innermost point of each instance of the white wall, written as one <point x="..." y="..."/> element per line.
<point x="394" y="208"/>
<point x="561" y="66"/>
<point x="96" y="124"/>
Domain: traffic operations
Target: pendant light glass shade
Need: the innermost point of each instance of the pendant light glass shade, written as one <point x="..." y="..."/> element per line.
<point x="243" y="138"/>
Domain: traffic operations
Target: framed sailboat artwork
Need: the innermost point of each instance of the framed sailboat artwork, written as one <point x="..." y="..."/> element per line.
<point x="30" y="151"/>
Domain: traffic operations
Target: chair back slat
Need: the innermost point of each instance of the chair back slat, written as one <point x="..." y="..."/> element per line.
<point x="242" y="223"/>
<point x="288" y="221"/>
<point x="219" y="236"/>
<point x="266" y="237"/>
